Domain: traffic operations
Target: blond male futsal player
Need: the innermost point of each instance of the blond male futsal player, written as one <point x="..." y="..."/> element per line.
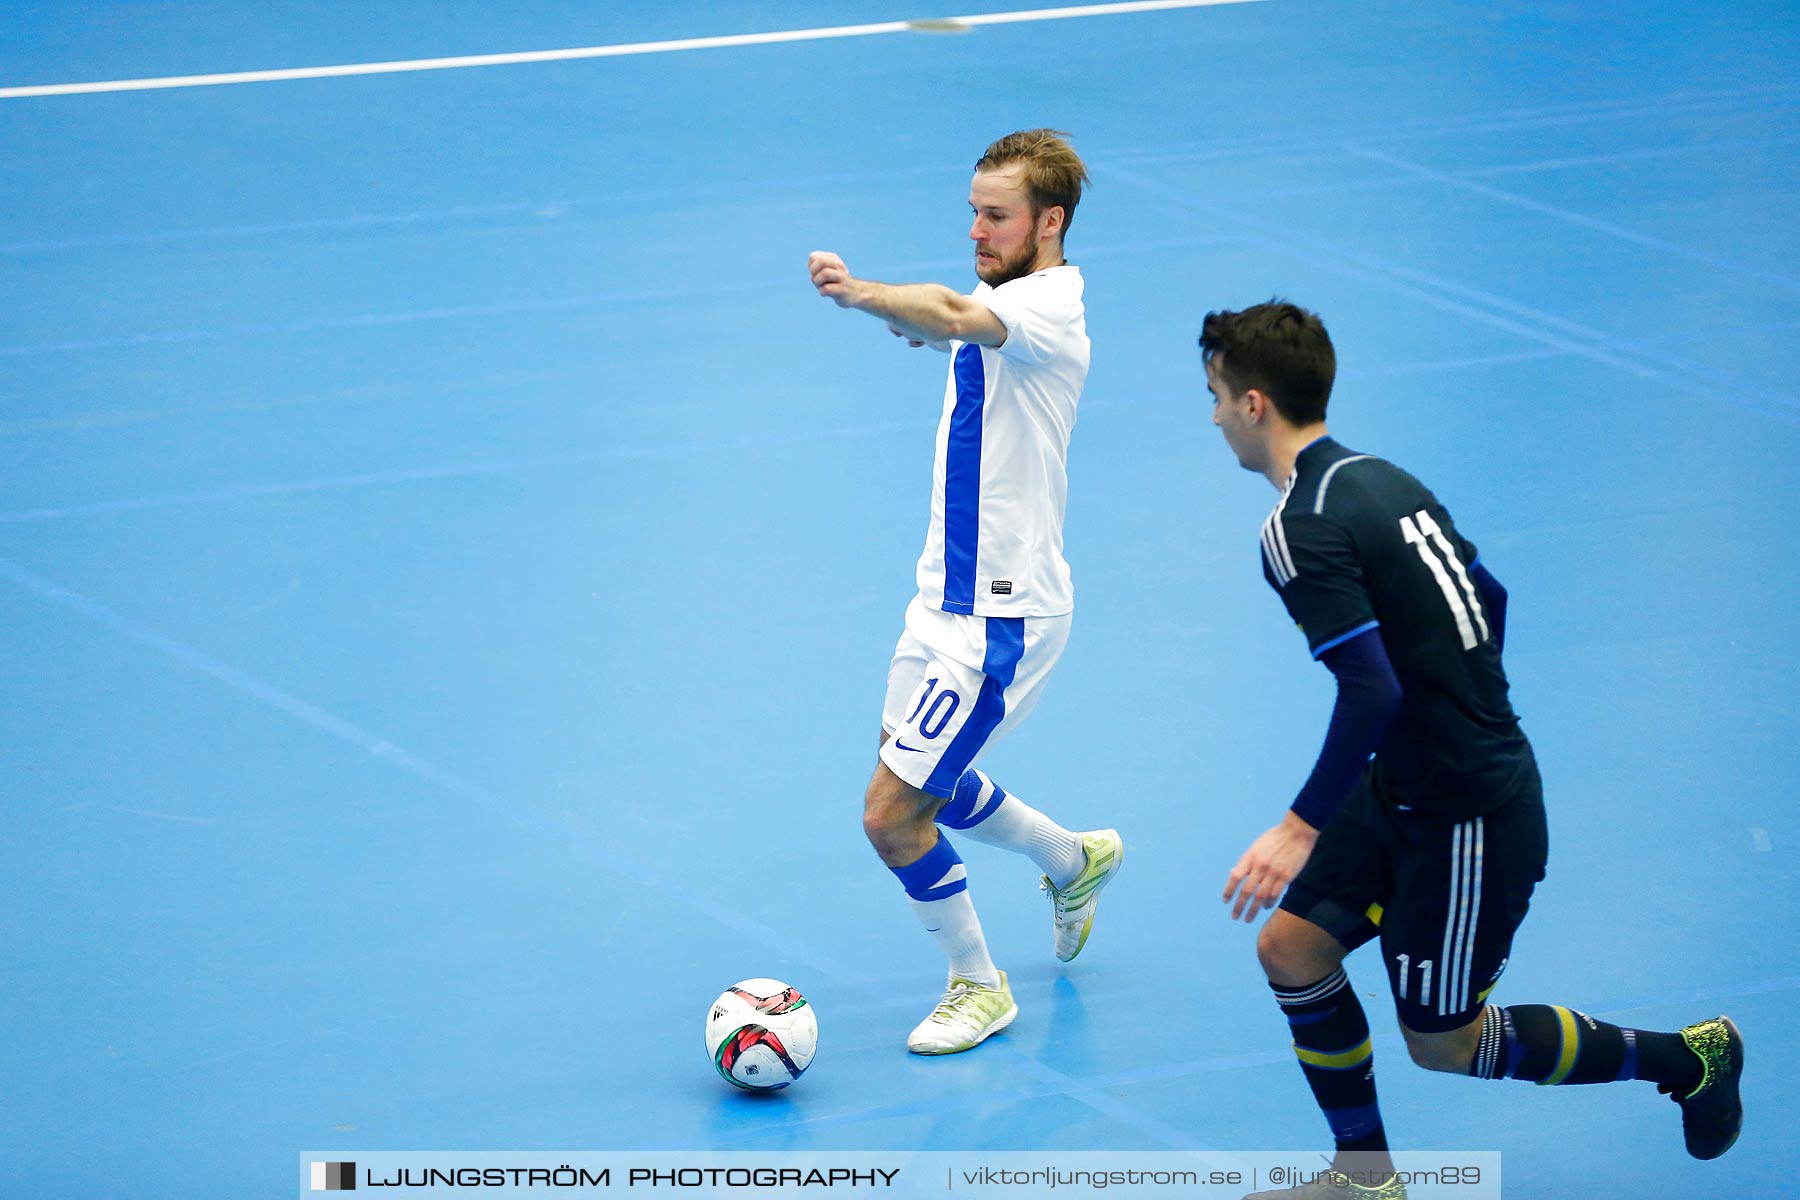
<point x="995" y="600"/>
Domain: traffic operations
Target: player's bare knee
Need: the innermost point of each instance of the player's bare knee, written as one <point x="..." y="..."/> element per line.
<point x="1284" y="958"/>
<point x="875" y="825"/>
<point x="892" y="819"/>
<point x="882" y="818"/>
<point x="1435" y="1056"/>
<point x="1450" y="1052"/>
<point x="1294" y="953"/>
<point x="1269" y="951"/>
<point x="892" y="839"/>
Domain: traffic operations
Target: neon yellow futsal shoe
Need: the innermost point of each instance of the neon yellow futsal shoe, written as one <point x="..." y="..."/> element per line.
<point x="968" y="1015"/>
<point x="1335" y="1185"/>
<point x="1713" y="1114"/>
<point x="1075" y="904"/>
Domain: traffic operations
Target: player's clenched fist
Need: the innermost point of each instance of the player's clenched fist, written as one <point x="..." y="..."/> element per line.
<point x="832" y="278"/>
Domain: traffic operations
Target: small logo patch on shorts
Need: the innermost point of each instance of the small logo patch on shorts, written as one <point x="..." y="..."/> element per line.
<point x="1001" y="587"/>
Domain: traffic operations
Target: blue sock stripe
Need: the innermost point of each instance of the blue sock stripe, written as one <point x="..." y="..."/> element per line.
<point x="1348" y="1124"/>
<point x="967" y="807"/>
<point x="1515" y="1049"/>
<point x="1628" y="1068"/>
<point x="936" y="876"/>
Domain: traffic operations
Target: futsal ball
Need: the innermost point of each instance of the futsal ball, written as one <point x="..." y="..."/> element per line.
<point x="761" y="1034"/>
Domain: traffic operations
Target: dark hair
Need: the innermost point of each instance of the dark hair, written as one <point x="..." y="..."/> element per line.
<point x="1277" y="348"/>
<point x="1054" y="173"/>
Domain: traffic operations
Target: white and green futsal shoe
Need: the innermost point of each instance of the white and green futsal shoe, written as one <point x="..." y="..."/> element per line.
<point x="1074" y="905"/>
<point x="968" y="1015"/>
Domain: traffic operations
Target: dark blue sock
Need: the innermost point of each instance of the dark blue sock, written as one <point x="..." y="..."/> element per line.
<point x="1331" y="1040"/>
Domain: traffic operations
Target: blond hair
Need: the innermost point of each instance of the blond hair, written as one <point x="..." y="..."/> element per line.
<point x="1054" y="173"/>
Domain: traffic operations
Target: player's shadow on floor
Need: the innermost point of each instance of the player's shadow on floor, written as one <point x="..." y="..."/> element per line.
<point x="1068" y="1038"/>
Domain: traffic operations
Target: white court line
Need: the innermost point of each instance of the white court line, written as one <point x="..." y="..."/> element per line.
<point x="932" y="25"/>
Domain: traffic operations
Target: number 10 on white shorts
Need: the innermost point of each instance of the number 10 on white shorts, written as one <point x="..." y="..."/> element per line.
<point x="958" y="684"/>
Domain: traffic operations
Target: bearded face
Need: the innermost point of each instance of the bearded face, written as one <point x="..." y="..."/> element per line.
<point x="1004" y="225"/>
<point x="994" y="269"/>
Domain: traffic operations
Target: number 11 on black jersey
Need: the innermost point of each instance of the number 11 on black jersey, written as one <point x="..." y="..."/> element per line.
<point x="1422" y="533"/>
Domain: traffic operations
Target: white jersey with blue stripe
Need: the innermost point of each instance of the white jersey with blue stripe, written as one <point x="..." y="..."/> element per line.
<point x="1000" y="483"/>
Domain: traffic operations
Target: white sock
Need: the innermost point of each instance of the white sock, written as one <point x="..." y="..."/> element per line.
<point x="1014" y="825"/>
<point x="952" y="921"/>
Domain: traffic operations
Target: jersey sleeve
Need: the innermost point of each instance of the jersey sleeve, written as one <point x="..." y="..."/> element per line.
<point x="1036" y="312"/>
<point x="1368" y="698"/>
<point x="1312" y="564"/>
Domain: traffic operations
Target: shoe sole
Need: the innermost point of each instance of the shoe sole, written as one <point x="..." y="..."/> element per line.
<point x="990" y="1031"/>
<point x="1088" y="926"/>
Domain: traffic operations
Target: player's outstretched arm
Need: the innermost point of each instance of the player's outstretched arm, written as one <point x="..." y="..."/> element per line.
<point x="928" y="313"/>
<point x="942" y="347"/>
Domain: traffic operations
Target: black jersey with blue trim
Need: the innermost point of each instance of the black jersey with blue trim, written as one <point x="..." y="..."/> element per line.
<point x="1358" y="544"/>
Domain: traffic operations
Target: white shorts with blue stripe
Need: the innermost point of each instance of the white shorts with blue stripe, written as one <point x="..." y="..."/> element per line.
<point x="958" y="684"/>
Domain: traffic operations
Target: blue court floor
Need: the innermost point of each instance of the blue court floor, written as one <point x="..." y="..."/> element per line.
<point x="449" y="559"/>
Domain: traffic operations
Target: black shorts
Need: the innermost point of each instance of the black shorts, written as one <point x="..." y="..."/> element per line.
<point x="1445" y="898"/>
